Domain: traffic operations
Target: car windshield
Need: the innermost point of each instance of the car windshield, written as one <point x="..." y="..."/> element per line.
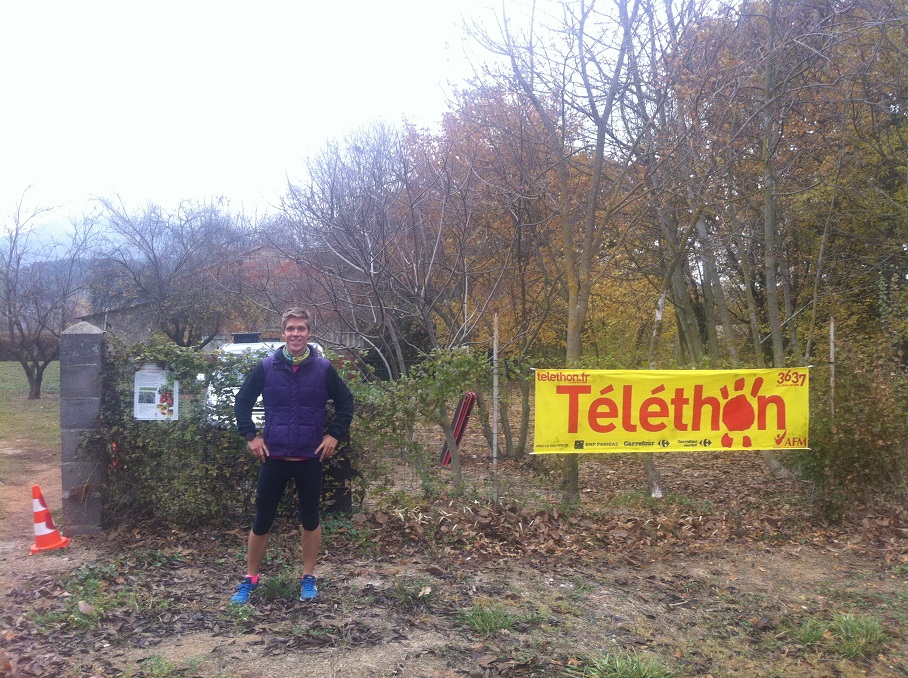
<point x="225" y="383"/>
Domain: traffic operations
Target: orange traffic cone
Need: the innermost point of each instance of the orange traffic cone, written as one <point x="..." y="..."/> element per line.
<point x="47" y="536"/>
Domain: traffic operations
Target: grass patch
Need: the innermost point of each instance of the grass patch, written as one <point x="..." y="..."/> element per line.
<point x="621" y="664"/>
<point x="411" y="591"/>
<point x="284" y="585"/>
<point x="157" y="666"/>
<point x="35" y="421"/>
<point x="52" y="619"/>
<point x="13" y="383"/>
<point x="642" y="500"/>
<point x="488" y="618"/>
<point x="810" y="632"/>
<point x="240" y="614"/>
<point x="150" y="558"/>
<point x="340" y="529"/>
<point x="118" y="585"/>
<point x="850" y="636"/>
<point x="857" y="635"/>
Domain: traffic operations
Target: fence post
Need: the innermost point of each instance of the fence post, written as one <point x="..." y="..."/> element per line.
<point x="81" y="388"/>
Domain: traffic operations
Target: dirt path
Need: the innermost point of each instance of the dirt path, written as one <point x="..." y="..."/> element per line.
<point x="28" y="466"/>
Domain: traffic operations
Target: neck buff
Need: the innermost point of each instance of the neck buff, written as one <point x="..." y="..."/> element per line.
<point x="293" y="359"/>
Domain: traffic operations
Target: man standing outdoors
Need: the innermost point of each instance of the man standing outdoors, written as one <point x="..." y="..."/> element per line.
<point x="295" y="384"/>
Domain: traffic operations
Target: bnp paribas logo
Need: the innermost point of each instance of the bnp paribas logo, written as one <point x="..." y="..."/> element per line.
<point x="578" y="444"/>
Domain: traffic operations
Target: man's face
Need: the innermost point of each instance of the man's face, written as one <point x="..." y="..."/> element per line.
<point x="296" y="334"/>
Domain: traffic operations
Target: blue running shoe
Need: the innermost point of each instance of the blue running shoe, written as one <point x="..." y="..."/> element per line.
<point x="244" y="591"/>
<point x="308" y="589"/>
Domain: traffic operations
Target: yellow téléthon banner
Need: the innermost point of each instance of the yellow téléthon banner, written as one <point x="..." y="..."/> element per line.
<point x="582" y="411"/>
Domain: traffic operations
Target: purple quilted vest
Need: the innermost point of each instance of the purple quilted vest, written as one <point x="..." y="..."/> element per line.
<point x="294" y="406"/>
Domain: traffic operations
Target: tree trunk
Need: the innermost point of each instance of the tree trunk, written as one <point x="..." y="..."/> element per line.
<point x="744" y="258"/>
<point x="515" y="448"/>
<point x="675" y="283"/>
<point x="653" y="479"/>
<point x="509" y="452"/>
<point x="34" y="372"/>
<point x="521" y="447"/>
<point x="34" y="387"/>
<point x="714" y="283"/>
<point x="570" y="469"/>
<point x="790" y="316"/>
<point x="770" y="215"/>
<point x="484" y="419"/>
<point x="657" y="330"/>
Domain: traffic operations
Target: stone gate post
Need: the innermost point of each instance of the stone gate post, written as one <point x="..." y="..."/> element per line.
<point x="81" y="386"/>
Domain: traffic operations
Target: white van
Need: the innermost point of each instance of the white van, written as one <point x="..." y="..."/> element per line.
<point x="248" y="342"/>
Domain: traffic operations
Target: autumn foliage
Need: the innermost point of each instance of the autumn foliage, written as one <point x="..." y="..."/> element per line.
<point x="639" y="188"/>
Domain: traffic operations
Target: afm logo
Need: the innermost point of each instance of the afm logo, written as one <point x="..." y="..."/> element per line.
<point x="578" y="444"/>
<point x="791" y="441"/>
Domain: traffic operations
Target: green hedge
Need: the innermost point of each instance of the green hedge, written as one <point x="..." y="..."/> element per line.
<point x="197" y="470"/>
<point x="187" y="471"/>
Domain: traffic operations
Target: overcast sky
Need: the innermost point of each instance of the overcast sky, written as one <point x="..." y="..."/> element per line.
<point x="163" y="101"/>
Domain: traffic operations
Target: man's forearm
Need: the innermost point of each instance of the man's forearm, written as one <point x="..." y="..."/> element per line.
<point x="245" y="400"/>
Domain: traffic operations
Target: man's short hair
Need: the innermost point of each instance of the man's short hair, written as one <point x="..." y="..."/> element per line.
<point x="296" y="312"/>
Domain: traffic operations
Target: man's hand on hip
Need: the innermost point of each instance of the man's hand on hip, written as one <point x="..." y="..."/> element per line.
<point x="326" y="449"/>
<point x="258" y="448"/>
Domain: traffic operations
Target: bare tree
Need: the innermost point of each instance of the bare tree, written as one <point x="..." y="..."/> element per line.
<point x="346" y="229"/>
<point x="173" y="262"/>
<point x="41" y="280"/>
<point x="576" y="77"/>
<point x="387" y="242"/>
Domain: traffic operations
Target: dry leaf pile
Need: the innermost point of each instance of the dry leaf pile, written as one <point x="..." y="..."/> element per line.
<point x="401" y="571"/>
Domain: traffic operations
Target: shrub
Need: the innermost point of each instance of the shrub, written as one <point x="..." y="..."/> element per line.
<point x="864" y="445"/>
<point x="187" y="471"/>
<point x="196" y="469"/>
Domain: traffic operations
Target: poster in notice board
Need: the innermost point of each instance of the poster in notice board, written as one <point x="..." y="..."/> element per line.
<point x="156" y="396"/>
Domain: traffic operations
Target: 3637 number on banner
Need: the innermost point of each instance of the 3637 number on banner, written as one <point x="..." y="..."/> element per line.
<point x="582" y="411"/>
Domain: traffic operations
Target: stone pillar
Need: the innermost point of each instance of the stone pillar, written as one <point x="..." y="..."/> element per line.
<point x="81" y="387"/>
